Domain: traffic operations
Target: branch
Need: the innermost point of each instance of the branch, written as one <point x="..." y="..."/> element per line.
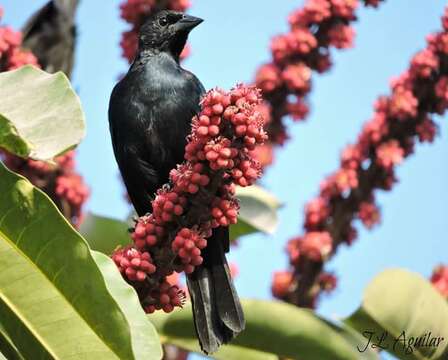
<point x="367" y="166"/>
<point x="287" y="80"/>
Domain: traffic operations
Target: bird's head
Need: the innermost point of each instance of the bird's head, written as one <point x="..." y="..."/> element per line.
<point x="167" y="31"/>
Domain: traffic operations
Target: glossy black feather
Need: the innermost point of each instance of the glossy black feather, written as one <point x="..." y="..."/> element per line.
<point x="150" y="116"/>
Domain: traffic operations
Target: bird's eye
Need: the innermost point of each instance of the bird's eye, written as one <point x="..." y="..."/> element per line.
<point x="163" y="21"/>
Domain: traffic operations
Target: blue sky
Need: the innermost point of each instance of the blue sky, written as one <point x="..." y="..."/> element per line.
<point x="226" y="49"/>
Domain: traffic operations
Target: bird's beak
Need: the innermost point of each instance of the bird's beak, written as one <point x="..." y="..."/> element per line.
<point x="188" y="22"/>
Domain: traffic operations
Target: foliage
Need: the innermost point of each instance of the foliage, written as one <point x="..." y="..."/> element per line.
<point x="272" y="328"/>
<point x="409" y="310"/>
<point x="54" y="300"/>
<point x="49" y="120"/>
<point x="61" y="295"/>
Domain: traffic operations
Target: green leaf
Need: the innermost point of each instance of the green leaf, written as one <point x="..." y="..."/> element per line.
<point x="258" y="212"/>
<point x="104" y="234"/>
<point x="354" y="338"/>
<point x="7" y="347"/>
<point x="402" y="305"/>
<point x="145" y="340"/>
<point x="54" y="301"/>
<point x="271" y="328"/>
<point x="228" y="352"/>
<point x="40" y="114"/>
<point x="240" y="229"/>
<point x="190" y="343"/>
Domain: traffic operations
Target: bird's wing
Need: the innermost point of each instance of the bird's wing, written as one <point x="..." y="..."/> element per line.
<point x="139" y="175"/>
<point x="149" y="130"/>
<point x="200" y="90"/>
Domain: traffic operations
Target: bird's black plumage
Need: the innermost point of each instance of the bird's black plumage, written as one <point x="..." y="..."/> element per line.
<point x="150" y="115"/>
<point x="51" y="34"/>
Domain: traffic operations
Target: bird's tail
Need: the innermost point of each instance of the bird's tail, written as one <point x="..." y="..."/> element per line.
<point x="217" y="312"/>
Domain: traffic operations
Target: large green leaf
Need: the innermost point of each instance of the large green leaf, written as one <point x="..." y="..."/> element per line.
<point x="40" y="114"/>
<point x="271" y="328"/>
<point x="190" y="343"/>
<point x="145" y="340"/>
<point x="54" y="300"/>
<point x="258" y="212"/>
<point x="104" y="234"/>
<point x="353" y="337"/>
<point x="402" y="307"/>
<point x="7" y="347"/>
<point x="228" y="352"/>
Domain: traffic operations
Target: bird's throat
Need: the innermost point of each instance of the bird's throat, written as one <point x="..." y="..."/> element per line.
<point x="178" y="44"/>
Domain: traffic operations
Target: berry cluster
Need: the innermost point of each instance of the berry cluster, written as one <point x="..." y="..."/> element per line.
<point x="347" y="195"/>
<point x="224" y="212"/>
<point x="71" y="188"/>
<point x="135" y="12"/>
<point x="369" y="214"/>
<point x="315" y="245"/>
<point x="146" y="232"/>
<point x="315" y="28"/>
<point x="189" y="178"/>
<point x="12" y="56"/>
<point x="188" y="245"/>
<point x="167" y="205"/>
<point x="135" y="265"/>
<point x="281" y="283"/>
<point x="165" y="298"/>
<point x="439" y="280"/>
<point x="200" y="195"/>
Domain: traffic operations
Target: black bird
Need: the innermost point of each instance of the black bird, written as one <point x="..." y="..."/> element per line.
<point x="150" y="114"/>
<point x="51" y="33"/>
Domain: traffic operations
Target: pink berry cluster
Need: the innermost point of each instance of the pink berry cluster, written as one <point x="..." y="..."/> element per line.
<point x="315" y="28"/>
<point x="399" y="121"/>
<point x="134" y="264"/>
<point x="167" y="205"/>
<point x="135" y="12"/>
<point x="188" y="178"/>
<point x="188" y="245"/>
<point x="284" y="285"/>
<point x="146" y="233"/>
<point x="12" y="56"/>
<point x="200" y="195"/>
<point x="224" y="211"/>
<point x="165" y="298"/>
<point x="439" y="280"/>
